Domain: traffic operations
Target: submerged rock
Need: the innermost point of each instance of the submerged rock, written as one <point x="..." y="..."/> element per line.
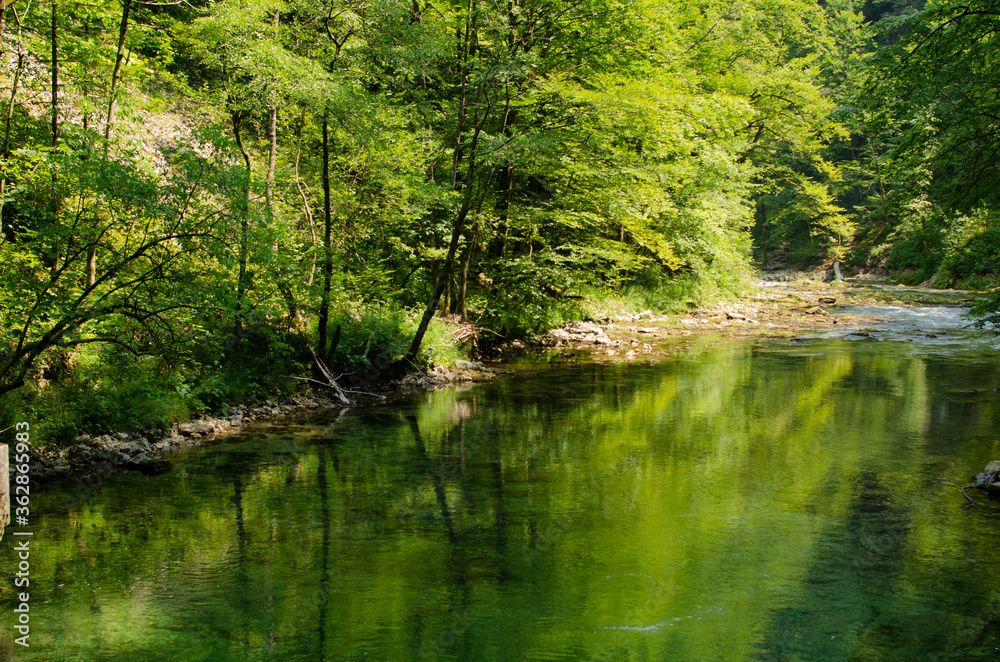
<point x="989" y="476"/>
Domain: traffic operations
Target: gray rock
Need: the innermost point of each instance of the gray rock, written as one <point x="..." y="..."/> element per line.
<point x="192" y="428"/>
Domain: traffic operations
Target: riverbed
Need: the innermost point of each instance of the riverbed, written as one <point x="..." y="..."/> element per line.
<point x="726" y="499"/>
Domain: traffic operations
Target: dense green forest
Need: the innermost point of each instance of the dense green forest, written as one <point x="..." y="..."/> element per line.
<point x="196" y="198"/>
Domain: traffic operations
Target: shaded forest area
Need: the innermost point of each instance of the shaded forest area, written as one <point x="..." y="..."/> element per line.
<point x="198" y="198"/>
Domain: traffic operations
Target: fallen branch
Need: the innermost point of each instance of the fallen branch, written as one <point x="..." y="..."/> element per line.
<point x="966" y="495"/>
<point x="331" y="381"/>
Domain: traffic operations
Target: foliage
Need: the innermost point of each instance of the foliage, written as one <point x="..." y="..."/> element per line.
<point x="278" y="168"/>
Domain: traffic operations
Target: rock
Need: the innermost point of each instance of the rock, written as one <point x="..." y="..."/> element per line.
<point x="585" y="328"/>
<point x="192" y="428"/>
<point x="815" y="310"/>
<point x="828" y="300"/>
<point x="990" y="475"/>
<point x="733" y="315"/>
<point x="646" y="314"/>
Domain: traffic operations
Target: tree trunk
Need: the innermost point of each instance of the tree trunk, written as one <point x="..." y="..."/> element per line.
<point x="117" y="73"/>
<point x="444" y="279"/>
<point x="334" y="342"/>
<point x="272" y="153"/>
<point x="305" y="200"/>
<point x="5" y="151"/>
<point x="242" y="284"/>
<point x="3" y="14"/>
<point x="324" y="307"/>
<point x="272" y="158"/>
<point x="55" y="75"/>
<point x="763" y="231"/>
<point x="463" y="310"/>
<point x="464" y="49"/>
<point x="53" y="255"/>
<point x="91" y="265"/>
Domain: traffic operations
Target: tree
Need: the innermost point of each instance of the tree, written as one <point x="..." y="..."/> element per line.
<point x="152" y="238"/>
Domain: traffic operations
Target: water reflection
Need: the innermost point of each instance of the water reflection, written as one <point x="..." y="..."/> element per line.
<point x="745" y="501"/>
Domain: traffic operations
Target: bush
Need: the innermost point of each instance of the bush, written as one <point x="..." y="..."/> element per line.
<point x="916" y="258"/>
<point x="975" y="263"/>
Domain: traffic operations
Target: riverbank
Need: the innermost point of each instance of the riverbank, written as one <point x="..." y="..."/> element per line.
<point x="148" y="450"/>
<point x="774" y="309"/>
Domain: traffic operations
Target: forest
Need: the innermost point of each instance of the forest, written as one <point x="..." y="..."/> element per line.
<point x="202" y="201"/>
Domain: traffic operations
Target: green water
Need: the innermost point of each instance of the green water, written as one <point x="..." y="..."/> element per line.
<point x="738" y="501"/>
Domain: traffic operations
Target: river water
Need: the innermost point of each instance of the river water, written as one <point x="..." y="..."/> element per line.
<point x="735" y="500"/>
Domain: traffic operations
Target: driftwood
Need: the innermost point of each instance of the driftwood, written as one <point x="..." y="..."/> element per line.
<point x="331" y="381"/>
<point x="985" y="479"/>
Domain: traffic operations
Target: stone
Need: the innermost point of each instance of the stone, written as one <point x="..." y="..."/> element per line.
<point x="192" y="428"/>
<point x="990" y="475"/>
<point x="828" y="300"/>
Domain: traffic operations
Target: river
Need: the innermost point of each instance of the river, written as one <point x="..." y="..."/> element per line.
<point x="734" y="500"/>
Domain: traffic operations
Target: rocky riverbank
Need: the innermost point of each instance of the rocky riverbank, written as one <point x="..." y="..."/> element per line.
<point x="775" y="309"/>
<point x="148" y="450"/>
